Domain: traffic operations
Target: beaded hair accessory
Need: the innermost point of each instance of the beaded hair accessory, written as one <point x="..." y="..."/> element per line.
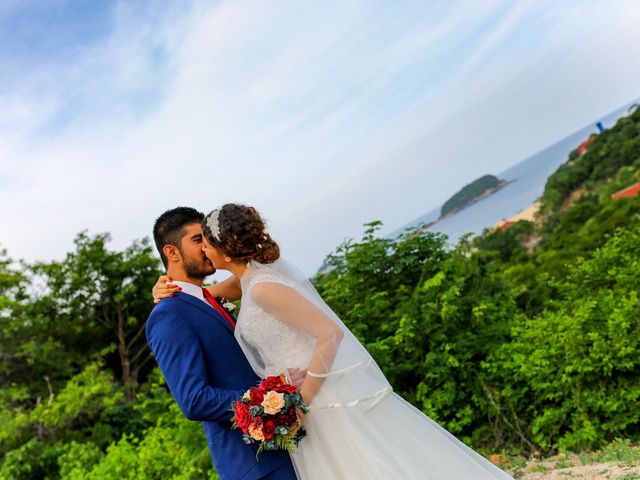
<point x="213" y="223"/>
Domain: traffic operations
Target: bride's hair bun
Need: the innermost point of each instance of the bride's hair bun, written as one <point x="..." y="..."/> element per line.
<point x="243" y="235"/>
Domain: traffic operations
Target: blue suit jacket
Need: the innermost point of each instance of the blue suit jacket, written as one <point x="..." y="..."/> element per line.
<point x="206" y="372"/>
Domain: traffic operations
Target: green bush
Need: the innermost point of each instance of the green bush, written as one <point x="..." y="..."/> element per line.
<point x="173" y="448"/>
<point x="430" y="316"/>
<point x="573" y="371"/>
<point x="34" y="459"/>
<point x="78" y="459"/>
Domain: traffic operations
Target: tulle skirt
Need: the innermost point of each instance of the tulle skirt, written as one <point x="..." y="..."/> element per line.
<point x="393" y="440"/>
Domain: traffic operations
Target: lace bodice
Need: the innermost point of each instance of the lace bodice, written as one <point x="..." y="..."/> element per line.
<point x="279" y="346"/>
<point x="350" y="376"/>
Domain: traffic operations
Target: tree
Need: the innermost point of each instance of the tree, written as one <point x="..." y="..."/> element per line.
<point x="430" y="316"/>
<point x="98" y="297"/>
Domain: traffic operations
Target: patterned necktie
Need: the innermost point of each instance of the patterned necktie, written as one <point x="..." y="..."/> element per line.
<point x="212" y="301"/>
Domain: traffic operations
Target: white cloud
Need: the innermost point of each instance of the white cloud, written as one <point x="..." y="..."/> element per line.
<point x="323" y="116"/>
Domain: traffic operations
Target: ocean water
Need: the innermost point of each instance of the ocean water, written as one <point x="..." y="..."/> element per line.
<point x="527" y="180"/>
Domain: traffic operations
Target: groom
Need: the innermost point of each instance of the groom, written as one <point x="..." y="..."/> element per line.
<point x="192" y="340"/>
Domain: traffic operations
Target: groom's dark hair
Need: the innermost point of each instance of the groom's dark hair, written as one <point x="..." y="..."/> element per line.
<point x="169" y="228"/>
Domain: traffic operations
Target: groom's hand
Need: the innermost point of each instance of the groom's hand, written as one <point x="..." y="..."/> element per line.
<point x="297" y="376"/>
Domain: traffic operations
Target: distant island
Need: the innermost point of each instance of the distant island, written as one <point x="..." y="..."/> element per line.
<point x="472" y="193"/>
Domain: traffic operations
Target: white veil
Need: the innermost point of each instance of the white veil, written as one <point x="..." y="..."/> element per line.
<point x="351" y="376"/>
<point x="346" y="436"/>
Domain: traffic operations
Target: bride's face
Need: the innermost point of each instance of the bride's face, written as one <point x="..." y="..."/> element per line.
<point x="215" y="255"/>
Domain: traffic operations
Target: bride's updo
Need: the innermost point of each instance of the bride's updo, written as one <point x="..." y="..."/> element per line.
<point x="239" y="231"/>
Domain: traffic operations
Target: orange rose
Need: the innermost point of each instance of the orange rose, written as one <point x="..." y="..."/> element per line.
<point x="273" y="402"/>
<point x="255" y="429"/>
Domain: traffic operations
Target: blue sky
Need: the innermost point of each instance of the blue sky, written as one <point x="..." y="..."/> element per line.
<point x="323" y="115"/>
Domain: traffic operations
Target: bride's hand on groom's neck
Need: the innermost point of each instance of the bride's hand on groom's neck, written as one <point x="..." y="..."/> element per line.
<point x="163" y="289"/>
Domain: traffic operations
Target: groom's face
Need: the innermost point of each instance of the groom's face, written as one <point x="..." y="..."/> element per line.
<point x="194" y="261"/>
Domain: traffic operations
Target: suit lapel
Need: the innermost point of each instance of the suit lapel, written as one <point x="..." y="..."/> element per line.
<point x="209" y="310"/>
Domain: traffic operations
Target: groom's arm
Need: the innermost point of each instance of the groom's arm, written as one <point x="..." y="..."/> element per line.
<point x="179" y="354"/>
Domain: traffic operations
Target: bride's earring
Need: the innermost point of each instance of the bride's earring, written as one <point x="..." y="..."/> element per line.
<point x="227" y="259"/>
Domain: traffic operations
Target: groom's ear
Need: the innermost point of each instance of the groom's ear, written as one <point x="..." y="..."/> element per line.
<point x="171" y="252"/>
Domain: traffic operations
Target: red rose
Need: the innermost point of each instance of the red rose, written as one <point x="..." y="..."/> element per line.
<point x="286" y="388"/>
<point x="243" y="418"/>
<point x="292" y="413"/>
<point x="268" y="429"/>
<point x="280" y="420"/>
<point x="287" y="418"/>
<point x="271" y="383"/>
<point x="257" y="395"/>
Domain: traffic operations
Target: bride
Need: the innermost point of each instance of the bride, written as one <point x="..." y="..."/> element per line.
<point x="357" y="427"/>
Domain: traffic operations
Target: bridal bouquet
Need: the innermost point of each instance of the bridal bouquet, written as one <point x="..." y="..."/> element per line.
<point x="271" y="414"/>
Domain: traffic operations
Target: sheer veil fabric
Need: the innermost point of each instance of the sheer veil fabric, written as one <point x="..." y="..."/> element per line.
<point x="357" y="428"/>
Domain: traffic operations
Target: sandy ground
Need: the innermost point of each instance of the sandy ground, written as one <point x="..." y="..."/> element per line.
<point x="621" y="463"/>
<point x="528" y="213"/>
<point x="593" y="471"/>
<point x="572" y="198"/>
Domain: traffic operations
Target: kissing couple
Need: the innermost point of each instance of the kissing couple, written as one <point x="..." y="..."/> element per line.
<point x="356" y="426"/>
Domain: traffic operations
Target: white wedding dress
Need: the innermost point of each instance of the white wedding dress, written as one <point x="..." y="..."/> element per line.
<point x="357" y="428"/>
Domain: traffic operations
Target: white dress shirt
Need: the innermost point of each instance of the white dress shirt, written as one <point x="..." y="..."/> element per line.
<point x="193" y="290"/>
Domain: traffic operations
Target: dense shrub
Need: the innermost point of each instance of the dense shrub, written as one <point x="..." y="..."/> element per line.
<point x="573" y="372"/>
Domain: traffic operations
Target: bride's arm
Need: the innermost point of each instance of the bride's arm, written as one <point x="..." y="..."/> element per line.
<point x="293" y="309"/>
<point x="229" y="289"/>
